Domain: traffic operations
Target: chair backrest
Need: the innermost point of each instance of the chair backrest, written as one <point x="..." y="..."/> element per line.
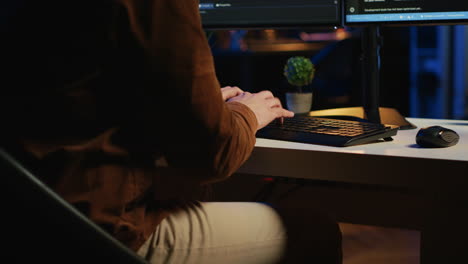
<point x="40" y="225"/>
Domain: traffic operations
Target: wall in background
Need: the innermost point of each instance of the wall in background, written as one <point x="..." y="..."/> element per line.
<point x="438" y="72"/>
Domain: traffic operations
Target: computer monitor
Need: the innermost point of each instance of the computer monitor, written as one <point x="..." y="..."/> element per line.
<point x="239" y="14"/>
<point x="406" y="12"/>
<point x="253" y="14"/>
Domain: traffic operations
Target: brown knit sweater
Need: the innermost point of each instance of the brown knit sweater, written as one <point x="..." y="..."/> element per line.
<point x="125" y="115"/>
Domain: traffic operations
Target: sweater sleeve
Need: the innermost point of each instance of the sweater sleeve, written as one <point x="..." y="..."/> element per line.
<point x="196" y="130"/>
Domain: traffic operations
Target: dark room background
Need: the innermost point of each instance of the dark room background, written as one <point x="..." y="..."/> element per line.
<point x="423" y="68"/>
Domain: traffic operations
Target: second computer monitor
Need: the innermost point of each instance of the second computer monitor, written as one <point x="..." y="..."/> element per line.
<point x="406" y="11"/>
<point x="270" y="13"/>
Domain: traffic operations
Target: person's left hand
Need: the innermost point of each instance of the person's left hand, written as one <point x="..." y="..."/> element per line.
<point x="229" y="92"/>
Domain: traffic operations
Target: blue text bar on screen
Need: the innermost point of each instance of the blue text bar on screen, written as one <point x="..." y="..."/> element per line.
<point x="407" y="17"/>
<point x="203" y="6"/>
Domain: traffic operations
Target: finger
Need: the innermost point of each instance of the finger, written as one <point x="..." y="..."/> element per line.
<point x="229" y="92"/>
<point x="266" y="94"/>
<point x="280" y="113"/>
<point x="279" y="105"/>
<point x="225" y="88"/>
<point x="237" y="89"/>
<point x="274" y="102"/>
<point x="287" y="113"/>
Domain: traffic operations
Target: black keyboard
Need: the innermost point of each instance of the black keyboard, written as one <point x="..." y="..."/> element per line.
<point x="326" y="131"/>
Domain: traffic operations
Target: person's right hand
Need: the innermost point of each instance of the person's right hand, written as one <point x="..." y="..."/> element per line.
<point x="265" y="106"/>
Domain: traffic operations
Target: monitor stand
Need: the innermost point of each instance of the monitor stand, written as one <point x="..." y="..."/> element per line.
<point x="371" y="110"/>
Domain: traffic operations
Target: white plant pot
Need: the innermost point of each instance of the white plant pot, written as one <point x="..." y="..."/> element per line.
<point x="299" y="103"/>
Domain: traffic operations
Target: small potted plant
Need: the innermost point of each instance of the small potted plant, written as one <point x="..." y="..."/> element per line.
<point x="299" y="71"/>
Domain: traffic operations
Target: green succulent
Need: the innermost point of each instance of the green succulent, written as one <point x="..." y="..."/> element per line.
<point x="299" y="71"/>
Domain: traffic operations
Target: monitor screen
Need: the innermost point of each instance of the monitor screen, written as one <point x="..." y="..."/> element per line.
<point x="406" y="11"/>
<point x="270" y="13"/>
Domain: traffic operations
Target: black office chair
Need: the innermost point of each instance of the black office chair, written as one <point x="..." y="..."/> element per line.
<point x="41" y="227"/>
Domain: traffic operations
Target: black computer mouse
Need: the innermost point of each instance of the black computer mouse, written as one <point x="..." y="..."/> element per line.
<point x="436" y="137"/>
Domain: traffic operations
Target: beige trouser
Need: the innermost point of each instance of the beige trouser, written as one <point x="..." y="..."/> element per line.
<point x="218" y="232"/>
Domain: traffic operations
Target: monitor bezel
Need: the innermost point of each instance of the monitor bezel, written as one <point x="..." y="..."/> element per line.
<point x="282" y="26"/>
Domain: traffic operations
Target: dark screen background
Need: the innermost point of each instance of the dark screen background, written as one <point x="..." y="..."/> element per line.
<point x="238" y="13"/>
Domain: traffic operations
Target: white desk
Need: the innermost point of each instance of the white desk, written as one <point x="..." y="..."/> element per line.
<point x="396" y="163"/>
<point x="440" y="175"/>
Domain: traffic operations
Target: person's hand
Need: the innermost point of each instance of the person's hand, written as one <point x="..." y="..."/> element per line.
<point x="229" y="92"/>
<point x="265" y="106"/>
